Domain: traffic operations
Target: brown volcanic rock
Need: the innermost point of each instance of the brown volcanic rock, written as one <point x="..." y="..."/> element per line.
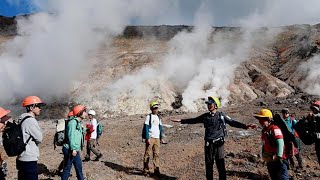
<point x="269" y="78"/>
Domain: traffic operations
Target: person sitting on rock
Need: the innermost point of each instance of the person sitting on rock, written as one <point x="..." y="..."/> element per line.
<point x="215" y="130"/>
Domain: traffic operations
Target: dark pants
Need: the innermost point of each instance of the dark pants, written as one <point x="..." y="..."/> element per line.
<point x="299" y="159"/>
<point x="62" y="163"/>
<point x="278" y="170"/>
<point x="27" y="170"/>
<point x="215" y="151"/>
<point x="317" y="147"/>
<point x="3" y="170"/>
<point x="75" y="160"/>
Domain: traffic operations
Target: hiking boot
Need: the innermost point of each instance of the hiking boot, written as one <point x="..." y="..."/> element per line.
<point x="98" y="157"/>
<point x="86" y="159"/>
<point x="157" y="172"/>
<point x="146" y="173"/>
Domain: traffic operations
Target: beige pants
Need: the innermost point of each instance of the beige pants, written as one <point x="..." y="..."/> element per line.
<point x="152" y="148"/>
<point x="91" y="147"/>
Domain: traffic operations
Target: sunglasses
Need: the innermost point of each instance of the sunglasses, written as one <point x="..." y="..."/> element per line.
<point x="38" y="106"/>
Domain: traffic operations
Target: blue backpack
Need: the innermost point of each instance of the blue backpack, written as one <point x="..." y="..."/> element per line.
<point x="99" y="130"/>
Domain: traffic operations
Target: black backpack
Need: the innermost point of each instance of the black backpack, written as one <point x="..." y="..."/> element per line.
<point x="288" y="136"/>
<point x="143" y="134"/>
<point x="306" y="130"/>
<point x="12" y="138"/>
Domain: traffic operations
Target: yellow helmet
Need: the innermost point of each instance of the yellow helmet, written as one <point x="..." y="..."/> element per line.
<point x="264" y="113"/>
<point x="154" y="104"/>
<point x="213" y="99"/>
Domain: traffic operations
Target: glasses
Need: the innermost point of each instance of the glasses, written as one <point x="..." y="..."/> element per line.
<point x="38" y="106"/>
<point x="211" y="104"/>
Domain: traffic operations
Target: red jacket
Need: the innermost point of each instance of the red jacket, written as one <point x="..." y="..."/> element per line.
<point x="89" y="130"/>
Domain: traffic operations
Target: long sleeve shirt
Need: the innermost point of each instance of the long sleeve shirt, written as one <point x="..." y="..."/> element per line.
<point x="30" y="128"/>
<point x="214" y="124"/>
<point x="74" y="134"/>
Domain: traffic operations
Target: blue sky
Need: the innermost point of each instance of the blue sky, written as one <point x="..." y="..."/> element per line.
<point x="15" y="7"/>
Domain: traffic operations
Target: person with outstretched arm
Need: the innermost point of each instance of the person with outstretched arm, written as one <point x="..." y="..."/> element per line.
<point x="215" y="131"/>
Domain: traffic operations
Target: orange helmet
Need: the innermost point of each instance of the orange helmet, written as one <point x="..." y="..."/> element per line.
<point x="31" y="100"/>
<point x="3" y="112"/>
<point x="70" y="114"/>
<point x="78" y="109"/>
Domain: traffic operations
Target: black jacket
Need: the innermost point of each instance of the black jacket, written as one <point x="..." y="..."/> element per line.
<point x="214" y="124"/>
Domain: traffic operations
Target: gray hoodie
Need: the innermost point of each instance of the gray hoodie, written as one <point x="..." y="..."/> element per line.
<point x="31" y="127"/>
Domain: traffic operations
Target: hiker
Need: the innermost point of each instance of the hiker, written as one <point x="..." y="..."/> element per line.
<point x="4" y="117"/>
<point x="315" y="108"/>
<point x="27" y="165"/>
<point x="154" y="136"/>
<point x="91" y="137"/>
<point x="273" y="146"/>
<point x="74" y="143"/>
<point x="215" y="131"/>
<point x="290" y="121"/>
<point x="62" y="164"/>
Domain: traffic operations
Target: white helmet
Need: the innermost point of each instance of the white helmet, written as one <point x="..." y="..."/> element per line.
<point x="92" y="112"/>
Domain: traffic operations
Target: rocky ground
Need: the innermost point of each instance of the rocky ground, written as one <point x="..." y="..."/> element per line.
<point x="181" y="158"/>
<point x="270" y="78"/>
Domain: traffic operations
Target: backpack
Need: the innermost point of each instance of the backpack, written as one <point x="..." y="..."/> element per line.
<point x="289" y="138"/>
<point x="12" y="138"/>
<point x="306" y="130"/>
<point x="99" y="130"/>
<point x="60" y="135"/>
<point x="144" y="129"/>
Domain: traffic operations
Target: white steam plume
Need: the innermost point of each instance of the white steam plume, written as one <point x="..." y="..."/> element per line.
<point x="193" y="62"/>
<point x="311" y="83"/>
<point x="196" y="67"/>
<point x="51" y="49"/>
